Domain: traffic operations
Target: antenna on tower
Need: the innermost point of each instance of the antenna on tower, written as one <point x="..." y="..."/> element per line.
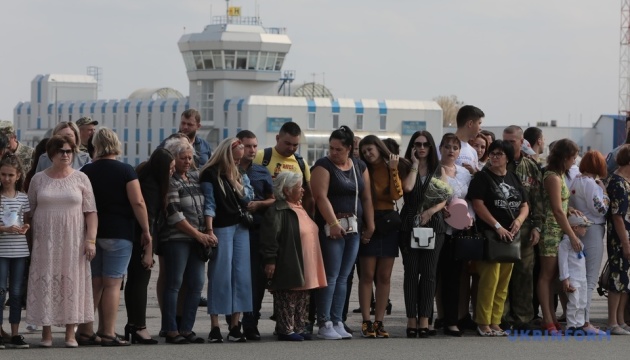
<point x="97" y="73"/>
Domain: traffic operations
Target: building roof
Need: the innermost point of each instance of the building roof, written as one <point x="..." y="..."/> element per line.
<point x="156" y="94"/>
<point x="70" y="78"/>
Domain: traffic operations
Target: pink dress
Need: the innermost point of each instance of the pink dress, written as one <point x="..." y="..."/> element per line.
<point x="60" y="278"/>
<point x="314" y="272"/>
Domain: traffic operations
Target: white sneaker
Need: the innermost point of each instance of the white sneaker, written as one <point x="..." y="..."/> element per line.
<point x="31" y="327"/>
<point x="341" y="331"/>
<point x="327" y="332"/>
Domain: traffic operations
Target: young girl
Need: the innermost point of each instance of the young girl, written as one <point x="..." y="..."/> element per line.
<point x="13" y="246"/>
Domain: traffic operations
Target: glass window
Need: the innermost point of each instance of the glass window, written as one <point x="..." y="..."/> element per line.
<point x="174" y="120"/>
<point x="114" y="121"/>
<point x="161" y="120"/>
<point x="225" y="119"/>
<point x="238" y="120"/>
<point x="262" y="60"/>
<point x="252" y="60"/>
<point x="189" y="61"/>
<point x="126" y="120"/>
<point x="335" y="121"/>
<point x="359" y="121"/>
<point x="218" y="59"/>
<point x="137" y="120"/>
<point x="241" y="60"/>
<point x="149" y="149"/>
<point x="125" y="150"/>
<point x="311" y="120"/>
<point x="279" y="62"/>
<point x="198" y="60"/>
<point x="271" y="60"/>
<point x="383" y="122"/>
<point x="137" y="148"/>
<point x="207" y="60"/>
<point x="229" y="59"/>
<point x="149" y="120"/>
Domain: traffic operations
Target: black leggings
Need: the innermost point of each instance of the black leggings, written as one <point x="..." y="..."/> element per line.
<point x="136" y="288"/>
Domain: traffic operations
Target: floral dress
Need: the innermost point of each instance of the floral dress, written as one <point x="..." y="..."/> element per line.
<point x="551" y="231"/>
<point x="618" y="191"/>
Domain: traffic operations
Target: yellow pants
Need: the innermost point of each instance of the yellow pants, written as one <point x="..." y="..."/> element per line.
<point x="494" y="279"/>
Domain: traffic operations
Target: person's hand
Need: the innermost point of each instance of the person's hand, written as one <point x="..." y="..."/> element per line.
<point x="566" y="286"/>
<point x="204" y="239"/>
<point x="414" y="158"/>
<point x="90" y="251"/>
<point x="214" y="240"/>
<point x="13" y="229"/>
<point x="470" y="168"/>
<point x="393" y="161"/>
<point x="270" y="269"/>
<point x="576" y="244"/>
<point x="534" y="238"/>
<point x="147" y="258"/>
<point x="145" y="238"/>
<point x="366" y="235"/>
<point x="446" y="213"/>
<point x="505" y="235"/>
<point x="574" y="211"/>
<point x="425" y="216"/>
<point x="253" y="206"/>
<point x="337" y="232"/>
<point x="515" y="226"/>
<point x="24" y="229"/>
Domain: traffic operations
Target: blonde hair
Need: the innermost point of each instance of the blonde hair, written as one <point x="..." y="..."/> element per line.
<point x="223" y="158"/>
<point x="68" y="124"/>
<point x="105" y="143"/>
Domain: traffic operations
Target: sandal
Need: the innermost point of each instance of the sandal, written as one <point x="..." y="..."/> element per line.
<point x="488" y="333"/>
<point x="91" y="339"/>
<point x="412" y="332"/>
<point x="193" y="338"/>
<point x="550" y="329"/>
<point x="177" y="339"/>
<point x="423" y="333"/>
<point x="113" y="341"/>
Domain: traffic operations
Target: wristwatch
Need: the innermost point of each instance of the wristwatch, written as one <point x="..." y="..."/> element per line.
<point x="497" y="226"/>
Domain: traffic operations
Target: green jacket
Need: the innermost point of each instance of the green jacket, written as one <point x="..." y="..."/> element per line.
<point x="280" y="244"/>
<point x="530" y="175"/>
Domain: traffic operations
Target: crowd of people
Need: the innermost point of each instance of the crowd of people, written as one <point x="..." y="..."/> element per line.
<point x="488" y="234"/>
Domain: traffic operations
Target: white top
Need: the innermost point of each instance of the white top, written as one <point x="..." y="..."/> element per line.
<point x="589" y="198"/>
<point x="570" y="265"/>
<point x="467" y="155"/>
<point x="13" y="245"/>
<point x="460" y="183"/>
<point x="573" y="172"/>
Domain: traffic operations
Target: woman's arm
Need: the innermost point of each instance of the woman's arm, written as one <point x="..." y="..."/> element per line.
<point x="209" y="210"/>
<point x="553" y="187"/>
<point x="91" y="224"/>
<point x="134" y="195"/>
<point x="368" y="207"/>
<point x="320" y="179"/>
<point x="622" y="234"/>
<point x="484" y="214"/>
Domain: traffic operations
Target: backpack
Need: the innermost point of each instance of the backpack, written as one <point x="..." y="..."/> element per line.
<point x="267" y="158"/>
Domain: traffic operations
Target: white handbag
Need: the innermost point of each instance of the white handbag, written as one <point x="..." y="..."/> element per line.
<point x="423" y="238"/>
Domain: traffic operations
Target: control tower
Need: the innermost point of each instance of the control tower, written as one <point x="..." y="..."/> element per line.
<point x="234" y="57"/>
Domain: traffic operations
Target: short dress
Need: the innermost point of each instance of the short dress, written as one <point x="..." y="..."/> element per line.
<point x="551" y="231"/>
<point x="618" y="191"/>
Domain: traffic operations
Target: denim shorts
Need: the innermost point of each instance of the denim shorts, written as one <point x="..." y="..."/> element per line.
<point x="112" y="258"/>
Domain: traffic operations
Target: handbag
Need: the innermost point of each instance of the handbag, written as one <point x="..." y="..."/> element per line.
<point x="602" y="282"/>
<point x="348" y="221"/>
<point x="423" y="238"/>
<point x="468" y="244"/>
<point x="205" y="253"/>
<point x="497" y="250"/>
<point x="387" y="222"/>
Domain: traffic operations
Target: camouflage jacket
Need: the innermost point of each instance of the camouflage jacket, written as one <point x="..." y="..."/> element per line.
<point x="530" y="175"/>
<point x="25" y="154"/>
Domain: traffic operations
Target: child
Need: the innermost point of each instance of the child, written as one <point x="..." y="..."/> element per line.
<point x="13" y="246"/>
<point x="572" y="268"/>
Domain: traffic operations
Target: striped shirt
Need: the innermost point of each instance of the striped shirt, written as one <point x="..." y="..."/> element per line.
<point x="13" y="245"/>
<point x="185" y="201"/>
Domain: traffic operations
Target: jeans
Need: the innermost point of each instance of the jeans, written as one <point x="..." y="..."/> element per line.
<point x="112" y="258"/>
<point x="15" y="268"/>
<point x="339" y="257"/>
<point x="181" y="262"/>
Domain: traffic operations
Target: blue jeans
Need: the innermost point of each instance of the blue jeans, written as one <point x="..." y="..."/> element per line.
<point x="15" y="268"/>
<point x="339" y="256"/>
<point x="181" y="262"/>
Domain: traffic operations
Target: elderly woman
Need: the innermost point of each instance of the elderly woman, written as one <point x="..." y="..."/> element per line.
<point x="154" y="176"/>
<point x="180" y="249"/>
<point x="500" y="202"/>
<point x="226" y="191"/>
<point x="588" y="195"/>
<point x="341" y="190"/>
<point x="119" y="203"/>
<point x="618" y="244"/>
<point x="378" y="254"/>
<point x="64" y="228"/>
<point x="425" y="197"/>
<point x="78" y="159"/>
<point x="292" y="256"/>
<point x="556" y="202"/>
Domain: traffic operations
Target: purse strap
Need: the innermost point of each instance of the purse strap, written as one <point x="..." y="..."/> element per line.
<point x="356" y="189"/>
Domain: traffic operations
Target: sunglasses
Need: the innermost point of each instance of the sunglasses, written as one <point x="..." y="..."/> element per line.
<point x="421" y="144"/>
<point x="65" y="152"/>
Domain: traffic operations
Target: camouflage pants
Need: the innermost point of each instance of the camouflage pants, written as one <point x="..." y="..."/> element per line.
<point x="291" y="308"/>
<point x="518" y="306"/>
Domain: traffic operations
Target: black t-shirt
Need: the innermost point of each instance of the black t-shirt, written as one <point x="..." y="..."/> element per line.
<point x="109" y="180"/>
<point x="486" y="185"/>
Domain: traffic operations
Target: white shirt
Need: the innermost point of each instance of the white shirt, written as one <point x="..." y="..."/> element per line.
<point x="460" y="183"/>
<point x="467" y="155"/>
<point x="589" y="198"/>
<point x="570" y="265"/>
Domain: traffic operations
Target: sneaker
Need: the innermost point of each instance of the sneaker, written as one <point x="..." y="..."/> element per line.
<point x="31" y="327"/>
<point x="306" y="336"/>
<point x="380" y="330"/>
<point x="625" y="326"/>
<point x="290" y="337"/>
<point x="327" y="332"/>
<point x="17" y="342"/>
<point x="235" y="335"/>
<point x="251" y="333"/>
<point x="341" y="330"/>
<point x="215" y="335"/>
<point x="367" y="330"/>
<point x="203" y="302"/>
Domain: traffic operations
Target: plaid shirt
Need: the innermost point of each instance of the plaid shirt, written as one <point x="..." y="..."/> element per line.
<point x="185" y="201"/>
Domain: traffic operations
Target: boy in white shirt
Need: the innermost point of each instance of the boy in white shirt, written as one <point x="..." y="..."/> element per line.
<point x="572" y="268"/>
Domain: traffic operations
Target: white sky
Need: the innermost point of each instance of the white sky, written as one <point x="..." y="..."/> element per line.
<point x="519" y="61"/>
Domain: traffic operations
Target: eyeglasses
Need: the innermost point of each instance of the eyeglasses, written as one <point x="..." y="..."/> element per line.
<point x="65" y="152"/>
<point x="496" y="154"/>
<point x="421" y="144"/>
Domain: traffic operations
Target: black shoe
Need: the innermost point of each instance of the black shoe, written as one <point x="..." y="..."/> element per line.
<point x="423" y="333"/>
<point x="438" y="323"/>
<point x="251" y="333"/>
<point x="215" y="335"/>
<point x="467" y="323"/>
<point x="412" y="332"/>
<point x="456" y="333"/>
<point x="203" y="302"/>
<point x="388" y="309"/>
<point x="194" y="339"/>
<point x="357" y="310"/>
<point x="17" y="342"/>
<point x="131" y="334"/>
<point x="162" y="333"/>
<point x="178" y="340"/>
<point x="235" y="335"/>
